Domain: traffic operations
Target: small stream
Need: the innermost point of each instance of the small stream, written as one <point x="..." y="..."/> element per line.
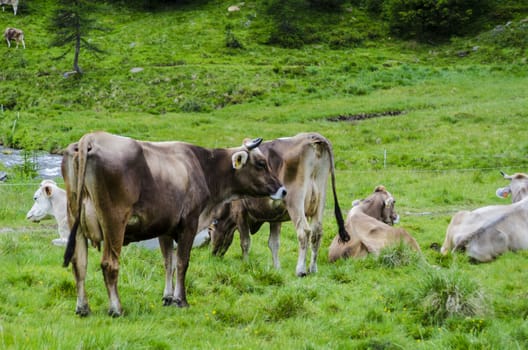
<point x="48" y="165"/>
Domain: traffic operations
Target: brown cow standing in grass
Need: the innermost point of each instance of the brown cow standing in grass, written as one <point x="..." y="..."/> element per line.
<point x="121" y="190"/>
<point x="303" y="164"/>
<point x="14" y="34"/>
<point x="369" y="224"/>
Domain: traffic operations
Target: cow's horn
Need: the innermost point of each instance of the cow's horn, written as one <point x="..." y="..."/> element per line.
<point x="253" y="143"/>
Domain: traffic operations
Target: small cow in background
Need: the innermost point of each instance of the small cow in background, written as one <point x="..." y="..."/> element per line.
<point x="13" y="3"/>
<point x="14" y="34"/>
<point x="50" y="200"/>
<point x="369" y="224"/>
<point x="487" y="232"/>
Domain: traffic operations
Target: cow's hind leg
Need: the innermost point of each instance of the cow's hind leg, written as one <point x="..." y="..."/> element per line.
<point x="315" y="238"/>
<point x="110" y="267"/>
<point x="169" y="259"/>
<point x="303" y="232"/>
<point x="274" y="242"/>
<point x="79" y="264"/>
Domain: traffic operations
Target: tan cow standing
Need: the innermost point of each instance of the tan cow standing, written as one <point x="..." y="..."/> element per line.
<point x="303" y="164"/>
<point x="369" y="224"/>
<point x="14" y="34"/>
<point x="121" y="190"/>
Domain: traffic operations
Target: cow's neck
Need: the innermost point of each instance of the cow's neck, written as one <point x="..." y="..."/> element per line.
<point x="218" y="172"/>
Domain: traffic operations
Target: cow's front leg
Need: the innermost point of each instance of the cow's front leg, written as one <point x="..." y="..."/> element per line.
<point x="169" y="260"/>
<point x="79" y="265"/>
<point x="274" y="242"/>
<point x="245" y="239"/>
<point x="182" y="263"/>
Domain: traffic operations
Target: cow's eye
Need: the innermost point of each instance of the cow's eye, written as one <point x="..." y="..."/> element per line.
<point x="261" y="164"/>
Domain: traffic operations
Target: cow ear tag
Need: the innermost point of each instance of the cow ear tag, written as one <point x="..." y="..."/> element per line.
<point x="503" y="192"/>
<point x="239" y="159"/>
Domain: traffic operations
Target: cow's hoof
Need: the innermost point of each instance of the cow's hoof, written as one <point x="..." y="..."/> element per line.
<point x="167" y="301"/>
<point x="82" y="311"/>
<point x="301" y="274"/>
<point x="435" y="246"/>
<point x="181" y="303"/>
<point x="114" y="313"/>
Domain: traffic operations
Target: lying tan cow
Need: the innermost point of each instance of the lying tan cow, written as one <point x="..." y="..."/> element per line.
<point x="369" y="224"/>
<point x="121" y="190"/>
<point x="487" y="232"/>
<point x="14" y="34"/>
<point x="303" y="164"/>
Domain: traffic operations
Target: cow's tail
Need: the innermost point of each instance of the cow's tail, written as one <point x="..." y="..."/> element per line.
<point x="80" y="171"/>
<point x="343" y="234"/>
<point x="478" y="232"/>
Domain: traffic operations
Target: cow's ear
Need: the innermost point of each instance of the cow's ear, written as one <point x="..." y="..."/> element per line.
<point x="47" y="191"/>
<point x="239" y="159"/>
<point x="503" y="192"/>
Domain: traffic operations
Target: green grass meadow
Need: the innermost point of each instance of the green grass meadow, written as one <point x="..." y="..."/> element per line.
<point x="438" y="129"/>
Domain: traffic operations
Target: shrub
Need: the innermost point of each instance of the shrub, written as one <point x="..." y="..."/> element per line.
<point x="430" y="19"/>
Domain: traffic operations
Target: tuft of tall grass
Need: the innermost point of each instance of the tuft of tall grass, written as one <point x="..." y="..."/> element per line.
<point x="441" y="295"/>
<point x="397" y="255"/>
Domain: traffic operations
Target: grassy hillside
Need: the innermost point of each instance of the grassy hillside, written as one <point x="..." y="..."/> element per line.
<point x="433" y="122"/>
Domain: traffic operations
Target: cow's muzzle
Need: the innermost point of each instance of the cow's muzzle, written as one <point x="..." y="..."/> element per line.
<point x="280" y="194"/>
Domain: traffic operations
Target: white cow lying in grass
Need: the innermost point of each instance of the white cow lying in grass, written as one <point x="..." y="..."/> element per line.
<point x="487" y="232"/>
<point x="50" y="201"/>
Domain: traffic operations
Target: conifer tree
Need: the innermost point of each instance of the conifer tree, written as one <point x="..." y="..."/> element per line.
<point x="72" y="24"/>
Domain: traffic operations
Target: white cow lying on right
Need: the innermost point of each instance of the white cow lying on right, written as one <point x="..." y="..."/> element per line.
<point x="487" y="232"/>
<point x="50" y="201"/>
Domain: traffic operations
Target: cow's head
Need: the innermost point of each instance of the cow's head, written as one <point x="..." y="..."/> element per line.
<point x="222" y="229"/>
<point x="380" y="205"/>
<point x="518" y="187"/>
<point x="253" y="176"/>
<point x="42" y="207"/>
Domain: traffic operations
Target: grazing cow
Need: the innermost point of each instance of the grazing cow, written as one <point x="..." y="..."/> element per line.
<point x="487" y="232"/>
<point x="122" y="190"/>
<point x="302" y="163"/>
<point x="369" y="224"/>
<point x="50" y="200"/>
<point x="13" y="3"/>
<point x="14" y="34"/>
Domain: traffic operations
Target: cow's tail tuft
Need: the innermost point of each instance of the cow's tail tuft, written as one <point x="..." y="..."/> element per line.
<point x="70" y="247"/>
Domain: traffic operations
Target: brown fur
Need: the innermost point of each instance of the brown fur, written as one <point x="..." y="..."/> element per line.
<point x="122" y="190"/>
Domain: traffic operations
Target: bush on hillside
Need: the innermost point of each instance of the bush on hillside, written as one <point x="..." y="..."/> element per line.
<point x="431" y="19"/>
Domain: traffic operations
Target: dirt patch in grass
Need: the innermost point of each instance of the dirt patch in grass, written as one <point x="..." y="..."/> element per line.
<point x="362" y="116"/>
